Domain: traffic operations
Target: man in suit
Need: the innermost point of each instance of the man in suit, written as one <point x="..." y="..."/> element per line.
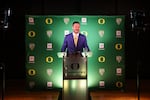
<point x="75" y="42"/>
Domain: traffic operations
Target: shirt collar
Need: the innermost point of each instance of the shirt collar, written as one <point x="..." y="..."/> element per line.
<point x="74" y="34"/>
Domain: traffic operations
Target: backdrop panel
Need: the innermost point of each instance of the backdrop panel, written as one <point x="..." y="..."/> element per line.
<point x="44" y="37"/>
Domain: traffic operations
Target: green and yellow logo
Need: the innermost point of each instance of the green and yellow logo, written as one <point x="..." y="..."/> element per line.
<point x="48" y="20"/>
<point x="31" y="72"/>
<point x="119" y="84"/>
<point x="101" y="59"/>
<point x="31" y="34"/>
<point x="85" y="33"/>
<point x="49" y="59"/>
<point x="101" y="21"/>
<point x="118" y="46"/>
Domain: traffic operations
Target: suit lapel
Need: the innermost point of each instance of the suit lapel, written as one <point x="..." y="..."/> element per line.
<point x="72" y="40"/>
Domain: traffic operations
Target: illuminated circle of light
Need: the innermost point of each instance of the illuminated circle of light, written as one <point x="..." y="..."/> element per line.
<point x="101" y="21"/>
<point x="31" y="34"/>
<point x="48" y="20"/>
<point x="119" y="84"/>
<point x="31" y="72"/>
<point x="101" y="59"/>
<point x="118" y="46"/>
<point x="49" y="59"/>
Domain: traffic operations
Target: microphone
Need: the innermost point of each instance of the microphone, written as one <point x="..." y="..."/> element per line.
<point x="85" y="50"/>
<point x="7" y="14"/>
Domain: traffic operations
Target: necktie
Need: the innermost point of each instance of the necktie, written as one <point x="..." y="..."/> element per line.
<point x="75" y="39"/>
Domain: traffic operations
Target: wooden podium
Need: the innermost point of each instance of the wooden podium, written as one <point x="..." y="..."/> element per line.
<point x="75" y="83"/>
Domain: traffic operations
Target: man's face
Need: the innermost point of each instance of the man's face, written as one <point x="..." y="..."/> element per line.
<point x="76" y="28"/>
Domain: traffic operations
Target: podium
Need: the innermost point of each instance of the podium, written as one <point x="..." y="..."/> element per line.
<point x="75" y="83"/>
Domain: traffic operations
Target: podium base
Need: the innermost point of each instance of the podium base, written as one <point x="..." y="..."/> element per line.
<point x="75" y="90"/>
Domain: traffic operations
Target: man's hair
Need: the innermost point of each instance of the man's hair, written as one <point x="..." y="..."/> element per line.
<point x="75" y="22"/>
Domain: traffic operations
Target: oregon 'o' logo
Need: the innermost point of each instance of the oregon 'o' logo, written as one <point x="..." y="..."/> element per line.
<point x="48" y="20"/>
<point x="101" y="21"/>
<point x="101" y="59"/>
<point x="49" y="59"/>
<point x="31" y="72"/>
<point x="31" y="34"/>
<point x="119" y="84"/>
<point x="85" y="33"/>
<point x="118" y="46"/>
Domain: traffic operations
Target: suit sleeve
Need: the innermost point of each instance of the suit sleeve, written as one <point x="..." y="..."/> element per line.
<point x="64" y="46"/>
<point x="86" y="45"/>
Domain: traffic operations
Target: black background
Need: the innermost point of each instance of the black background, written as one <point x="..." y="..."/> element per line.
<point x="12" y="39"/>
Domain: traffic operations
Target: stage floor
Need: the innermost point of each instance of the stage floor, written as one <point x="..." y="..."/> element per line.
<point x="15" y="90"/>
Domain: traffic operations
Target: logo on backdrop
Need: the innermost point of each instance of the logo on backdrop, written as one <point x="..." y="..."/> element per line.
<point x="31" y="84"/>
<point x="84" y="32"/>
<point x="118" y="21"/>
<point x="119" y="84"/>
<point x="101" y="59"/>
<point x="66" y="32"/>
<point x="101" y="46"/>
<point x="118" y="46"/>
<point x="84" y="20"/>
<point x="31" y="20"/>
<point x="49" y="59"/>
<point x="101" y="33"/>
<point x="31" y="59"/>
<point x="101" y="71"/>
<point x="49" y="84"/>
<point x="119" y="71"/>
<point x="31" y="72"/>
<point x="31" y="34"/>
<point x="49" y="72"/>
<point x="102" y="84"/>
<point x="118" y="59"/>
<point x="31" y="46"/>
<point x="66" y="20"/>
<point x="49" y="46"/>
<point x="49" y="33"/>
<point x="48" y="20"/>
<point x="118" y="34"/>
<point x="101" y="21"/>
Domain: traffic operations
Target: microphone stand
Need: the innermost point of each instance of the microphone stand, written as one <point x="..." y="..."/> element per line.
<point x="139" y="30"/>
<point x="2" y="67"/>
<point x="4" y="27"/>
<point x="138" y="67"/>
<point x="137" y="18"/>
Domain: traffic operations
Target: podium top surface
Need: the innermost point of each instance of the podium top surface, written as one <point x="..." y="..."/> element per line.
<point x="64" y="54"/>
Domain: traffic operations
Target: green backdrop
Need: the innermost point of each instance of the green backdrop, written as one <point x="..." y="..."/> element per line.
<point x="44" y="37"/>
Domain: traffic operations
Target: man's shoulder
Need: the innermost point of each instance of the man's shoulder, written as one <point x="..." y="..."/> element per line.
<point x="82" y="35"/>
<point x="68" y="34"/>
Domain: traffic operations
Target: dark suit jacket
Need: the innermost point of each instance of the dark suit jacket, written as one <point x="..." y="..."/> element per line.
<point x="70" y="46"/>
